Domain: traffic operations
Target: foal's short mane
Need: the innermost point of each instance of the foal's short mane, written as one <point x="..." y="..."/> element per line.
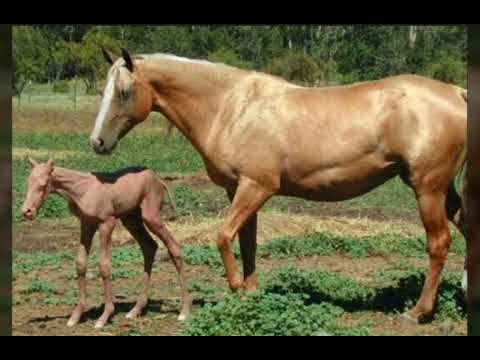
<point x="112" y="177"/>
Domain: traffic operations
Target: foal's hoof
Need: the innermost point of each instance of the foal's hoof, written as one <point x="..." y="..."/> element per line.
<point x="71" y="323"/>
<point x="132" y="314"/>
<point x="182" y="317"/>
<point x="99" y="324"/>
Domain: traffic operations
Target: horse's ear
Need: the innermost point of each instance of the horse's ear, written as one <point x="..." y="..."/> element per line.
<point x="128" y="59"/>
<point x="33" y="162"/>
<point x="111" y="58"/>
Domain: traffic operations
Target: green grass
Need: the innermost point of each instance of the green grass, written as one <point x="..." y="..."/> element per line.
<point x="40" y="286"/>
<point x="394" y="195"/>
<point x="324" y="244"/>
<point x="267" y="314"/>
<point x="299" y="302"/>
<point x="161" y="154"/>
<point x="290" y="301"/>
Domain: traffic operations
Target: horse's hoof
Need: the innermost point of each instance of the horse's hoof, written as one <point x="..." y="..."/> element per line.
<point x="409" y="319"/>
<point x="447" y="327"/>
<point x="182" y="317"/>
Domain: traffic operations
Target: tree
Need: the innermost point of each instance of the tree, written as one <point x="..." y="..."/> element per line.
<point x="448" y="68"/>
<point x="297" y="67"/>
<point x="28" y="60"/>
<point x="229" y="57"/>
<point x="88" y="61"/>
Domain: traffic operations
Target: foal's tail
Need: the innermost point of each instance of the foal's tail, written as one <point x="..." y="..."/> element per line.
<point x="172" y="200"/>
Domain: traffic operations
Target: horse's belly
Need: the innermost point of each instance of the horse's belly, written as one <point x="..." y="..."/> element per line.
<point x="340" y="182"/>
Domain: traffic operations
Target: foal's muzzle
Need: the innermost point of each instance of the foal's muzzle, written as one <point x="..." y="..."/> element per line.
<point x="29" y="213"/>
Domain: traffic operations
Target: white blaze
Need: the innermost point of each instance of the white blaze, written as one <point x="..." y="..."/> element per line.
<point x="104" y="106"/>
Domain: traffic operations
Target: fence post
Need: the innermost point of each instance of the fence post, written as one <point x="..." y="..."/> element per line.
<point x="75" y="93"/>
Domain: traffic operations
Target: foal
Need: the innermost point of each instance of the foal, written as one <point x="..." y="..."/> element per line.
<point x="133" y="195"/>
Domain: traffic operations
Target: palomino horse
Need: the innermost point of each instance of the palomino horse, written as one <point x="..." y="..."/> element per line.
<point x="260" y="135"/>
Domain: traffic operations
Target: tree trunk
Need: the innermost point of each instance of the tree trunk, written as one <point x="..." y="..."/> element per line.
<point x="412" y="36"/>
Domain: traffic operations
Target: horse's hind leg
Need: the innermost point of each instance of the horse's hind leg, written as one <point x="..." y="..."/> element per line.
<point x="152" y="218"/>
<point x="456" y="214"/>
<point x="134" y="224"/>
<point x="434" y="217"/>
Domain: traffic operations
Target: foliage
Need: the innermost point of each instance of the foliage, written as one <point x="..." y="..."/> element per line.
<point x="61" y="86"/>
<point x="266" y="314"/>
<point x="352" y="52"/>
<point x="296" y="67"/>
<point x="28" y="60"/>
<point x="450" y="69"/>
<point x="40" y="286"/>
<point x="228" y="57"/>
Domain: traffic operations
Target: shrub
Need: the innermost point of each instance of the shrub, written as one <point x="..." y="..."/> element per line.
<point x="266" y="314"/>
<point x="228" y="57"/>
<point x="296" y="67"/>
<point x="449" y="69"/>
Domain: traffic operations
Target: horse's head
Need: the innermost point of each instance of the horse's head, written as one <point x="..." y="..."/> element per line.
<point x="39" y="187"/>
<point x="126" y="101"/>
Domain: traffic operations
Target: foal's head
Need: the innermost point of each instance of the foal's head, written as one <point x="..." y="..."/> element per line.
<point x="127" y="100"/>
<point x="39" y="187"/>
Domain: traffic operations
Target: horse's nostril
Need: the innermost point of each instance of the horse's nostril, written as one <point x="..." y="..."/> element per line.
<point x="100" y="142"/>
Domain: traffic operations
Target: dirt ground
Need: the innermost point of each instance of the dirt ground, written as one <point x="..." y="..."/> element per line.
<point x="32" y="317"/>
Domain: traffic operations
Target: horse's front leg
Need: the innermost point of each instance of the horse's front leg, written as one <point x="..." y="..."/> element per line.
<point x="106" y="230"/>
<point x="249" y="197"/>
<point x="86" y="236"/>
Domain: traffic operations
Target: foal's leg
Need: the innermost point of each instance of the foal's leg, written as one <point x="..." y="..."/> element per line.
<point x="249" y="197"/>
<point x="106" y="230"/>
<point x="434" y="217"/>
<point x="152" y="218"/>
<point x="248" y="248"/>
<point x="86" y="236"/>
<point x="134" y="224"/>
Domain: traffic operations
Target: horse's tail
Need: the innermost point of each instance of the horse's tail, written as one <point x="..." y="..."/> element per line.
<point x="463" y="168"/>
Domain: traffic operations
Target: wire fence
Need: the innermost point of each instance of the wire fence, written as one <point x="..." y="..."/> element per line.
<point x="66" y="104"/>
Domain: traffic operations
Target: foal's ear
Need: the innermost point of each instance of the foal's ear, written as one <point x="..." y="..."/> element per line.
<point x="128" y="60"/>
<point x="33" y="162"/>
<point x="50" y="164"/>
<point x="111" y="58"/>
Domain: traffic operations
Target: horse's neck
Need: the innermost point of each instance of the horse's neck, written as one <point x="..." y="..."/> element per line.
<point x="69" y="184"/>
<point x="190" y="94"/>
